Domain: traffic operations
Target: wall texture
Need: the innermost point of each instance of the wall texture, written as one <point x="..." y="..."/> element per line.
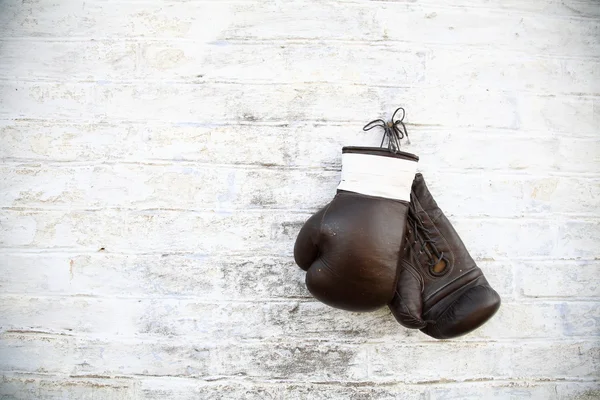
<point x="159" y="158"/>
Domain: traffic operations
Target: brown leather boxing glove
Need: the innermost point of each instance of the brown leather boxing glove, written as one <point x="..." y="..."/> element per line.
<point x="440" y="290"/>
<point x="350" y="248"/>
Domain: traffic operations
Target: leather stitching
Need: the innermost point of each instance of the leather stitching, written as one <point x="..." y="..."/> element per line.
<point x="443" y="314"/>
<point x="407" y="310"/>
<point x="416" y="275"/>
<point x="420" y="280"/>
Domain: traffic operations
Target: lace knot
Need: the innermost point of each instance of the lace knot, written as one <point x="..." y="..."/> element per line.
<point x="394" y="130"/>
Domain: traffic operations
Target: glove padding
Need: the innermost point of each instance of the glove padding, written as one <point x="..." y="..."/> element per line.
<point x="350" y="247"/>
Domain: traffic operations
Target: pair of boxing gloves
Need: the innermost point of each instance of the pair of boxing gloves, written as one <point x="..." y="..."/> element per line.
<point x="383" y="240"/>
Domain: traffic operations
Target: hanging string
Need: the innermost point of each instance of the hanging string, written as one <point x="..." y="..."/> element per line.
<point x="394" y="130"/>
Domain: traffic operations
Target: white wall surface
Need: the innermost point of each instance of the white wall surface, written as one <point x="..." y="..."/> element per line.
<point x="159" y="158"/>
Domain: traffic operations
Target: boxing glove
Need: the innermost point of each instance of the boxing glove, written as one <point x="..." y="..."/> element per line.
<point x="440" y="290"/>
<point x="350" y="248"/>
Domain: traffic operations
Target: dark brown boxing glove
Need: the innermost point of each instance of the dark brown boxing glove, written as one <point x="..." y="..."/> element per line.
<point x="440" y="290"/>
<point x="350" y="248"/>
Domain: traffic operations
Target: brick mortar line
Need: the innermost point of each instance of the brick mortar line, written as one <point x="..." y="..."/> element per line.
<point x="286" y="339"/>
<point x="14" y="251"/>
<point x="477" y="49"/>
<point x="352" y="124"/>
<point x="267" y="83"/>
<point x="170" y="252"/>
<point x="525" y="216"/>
<point x="254" y="256"/>
<point x="520" y="173"/>
<point x="305" y="123"/>
<point x="309" y="43"/>
<point x="510" y="300"/>
<point x="216" y="381"/>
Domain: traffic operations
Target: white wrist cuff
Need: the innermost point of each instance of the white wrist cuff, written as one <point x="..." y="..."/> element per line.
<point x="378" y="176"/>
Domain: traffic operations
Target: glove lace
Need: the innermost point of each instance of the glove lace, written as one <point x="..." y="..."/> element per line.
<point x="394" y="130"/>
<point x="423" y="238"/>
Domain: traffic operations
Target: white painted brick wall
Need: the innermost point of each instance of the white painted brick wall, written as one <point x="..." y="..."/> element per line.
<point x="159" y="157"/>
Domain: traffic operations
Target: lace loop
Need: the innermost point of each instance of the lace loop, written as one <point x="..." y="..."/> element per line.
<point x="394" y="130"/>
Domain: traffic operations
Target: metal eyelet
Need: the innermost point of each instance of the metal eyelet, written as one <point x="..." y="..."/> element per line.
<point x="444" y="271"/>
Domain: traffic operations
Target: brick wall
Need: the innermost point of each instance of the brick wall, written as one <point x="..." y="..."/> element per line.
<point x="159" y="158"/>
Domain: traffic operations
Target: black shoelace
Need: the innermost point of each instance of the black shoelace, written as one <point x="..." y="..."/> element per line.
<point x="394" y="130"/>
